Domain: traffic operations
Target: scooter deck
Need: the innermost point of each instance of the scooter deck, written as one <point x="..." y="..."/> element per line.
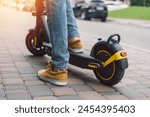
<point x="84" y="61"/>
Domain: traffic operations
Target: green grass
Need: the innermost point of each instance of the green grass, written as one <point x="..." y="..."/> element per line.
<point x="141" y="13"/>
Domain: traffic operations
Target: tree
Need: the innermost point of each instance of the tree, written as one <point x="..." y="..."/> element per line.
<point x="140" y="2"/>
<point x="147" y="2"/>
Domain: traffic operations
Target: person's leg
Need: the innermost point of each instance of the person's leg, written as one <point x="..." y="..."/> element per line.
<point x="56" y="73"/>
<point x="71" y="22"/>
<point x="57" y="23"/>
<point x="75" y="44"/>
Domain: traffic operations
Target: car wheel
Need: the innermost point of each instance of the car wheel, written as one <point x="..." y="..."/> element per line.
<point x="103" y="19"/>
<point x="84" y="16"/>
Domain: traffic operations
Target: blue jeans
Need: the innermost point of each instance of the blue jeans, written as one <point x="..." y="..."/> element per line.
<point x="62" y="26"/>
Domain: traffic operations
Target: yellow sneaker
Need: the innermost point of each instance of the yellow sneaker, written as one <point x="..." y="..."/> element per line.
<point x="56" y="77"/>
<point x="75" y="45"/>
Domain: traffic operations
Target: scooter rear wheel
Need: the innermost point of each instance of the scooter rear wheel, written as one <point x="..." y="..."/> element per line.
<point x="30" y="40"/>
<point x="112" y="73"/>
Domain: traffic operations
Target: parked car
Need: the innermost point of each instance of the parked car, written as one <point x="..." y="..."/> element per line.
<point x="29" y="6"/>
<point x="26" y="5"/>
<point x="115" y="5"/>
<point x="88" y="9"/>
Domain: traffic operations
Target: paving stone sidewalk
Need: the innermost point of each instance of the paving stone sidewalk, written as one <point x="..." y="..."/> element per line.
<point x="19" y="81"/>
<point x="18" y="78"/>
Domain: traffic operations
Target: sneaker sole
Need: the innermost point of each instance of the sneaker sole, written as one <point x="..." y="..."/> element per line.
<point x="55" y="82"/>
<point x="76" y="50"/>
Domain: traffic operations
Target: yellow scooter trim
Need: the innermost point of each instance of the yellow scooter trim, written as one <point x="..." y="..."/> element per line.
<point x="35" y="41"/>
<point x="117" y="56"/>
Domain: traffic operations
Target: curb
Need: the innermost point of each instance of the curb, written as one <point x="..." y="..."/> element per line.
<point x="142" y="23"/>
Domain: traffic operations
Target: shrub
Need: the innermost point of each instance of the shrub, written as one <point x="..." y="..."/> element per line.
<point x="140" y="2"/>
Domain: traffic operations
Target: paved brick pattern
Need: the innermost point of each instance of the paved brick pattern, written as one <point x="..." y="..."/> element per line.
<point x="90" y="95"/>
<point x="61" y="91"/>
<point x="18" y="71"/>
<point x="39" y="90"/>
<point x="18" y="96"/>
<point x="45" y="98"/>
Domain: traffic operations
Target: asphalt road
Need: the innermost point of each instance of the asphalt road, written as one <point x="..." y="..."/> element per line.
<point x="135" y="35"/>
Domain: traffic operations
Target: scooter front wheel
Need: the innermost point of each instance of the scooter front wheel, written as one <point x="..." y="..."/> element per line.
<point x="30" y="44"/>
<point x="112" y="73"/>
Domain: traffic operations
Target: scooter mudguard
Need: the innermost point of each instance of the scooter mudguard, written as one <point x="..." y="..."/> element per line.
<point x="119" y="54"/>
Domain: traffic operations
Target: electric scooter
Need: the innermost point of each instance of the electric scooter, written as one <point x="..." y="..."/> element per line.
<point x="107" y="59"/>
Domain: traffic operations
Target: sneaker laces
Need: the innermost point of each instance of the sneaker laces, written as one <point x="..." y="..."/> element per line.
<point x="50" y="66"/>
<point x="75" y="41"/>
